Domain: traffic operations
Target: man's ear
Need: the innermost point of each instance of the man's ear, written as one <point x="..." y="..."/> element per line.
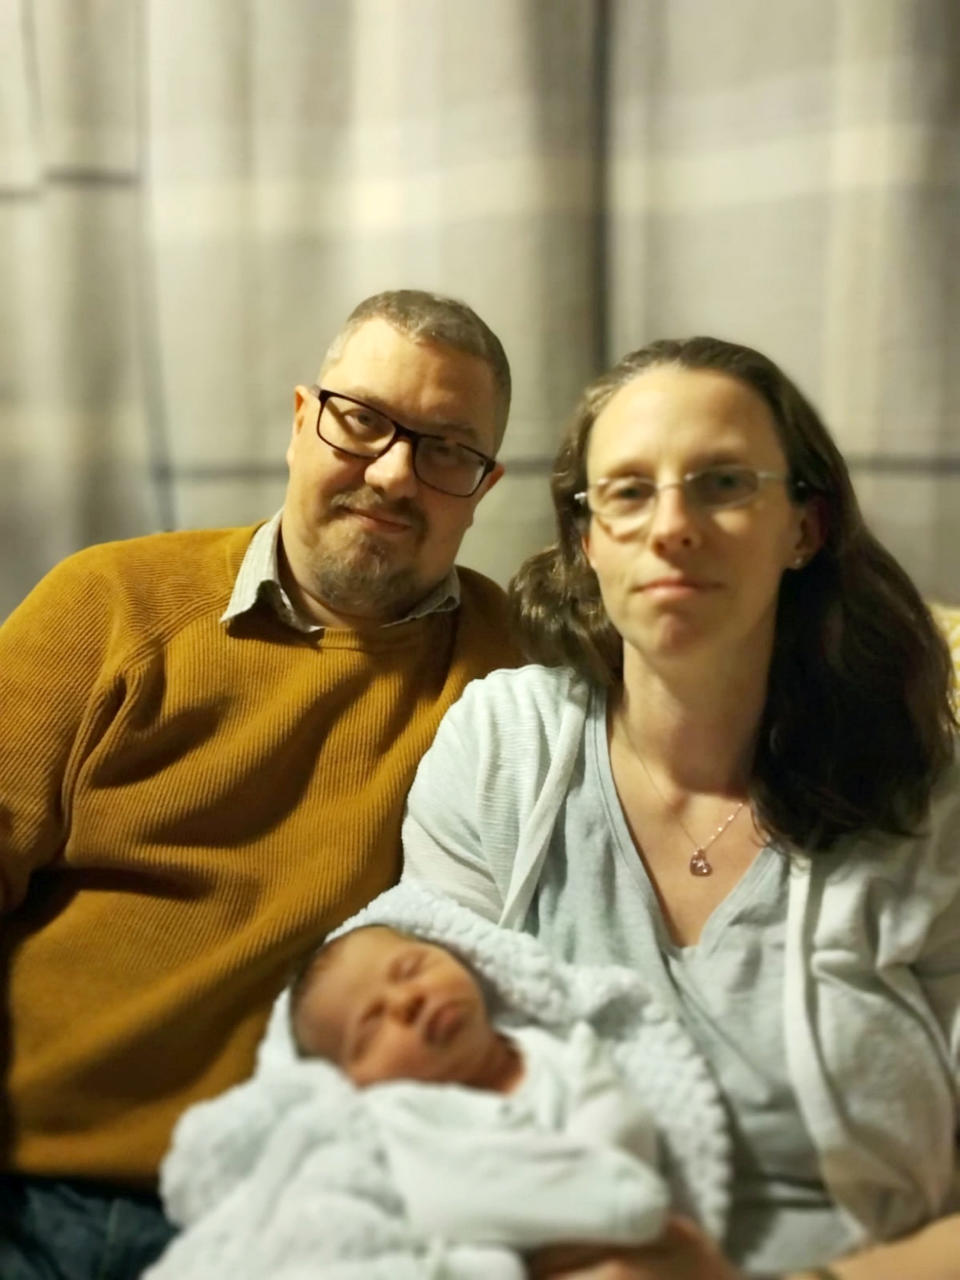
<point x="301" y="412"/>
<point x="488" y="483"/>
<point x="492" y="479"/>
<point x="301" y="396"/>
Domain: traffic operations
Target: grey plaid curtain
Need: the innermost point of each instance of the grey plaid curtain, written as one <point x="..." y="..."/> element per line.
<point x="193" y="193"/>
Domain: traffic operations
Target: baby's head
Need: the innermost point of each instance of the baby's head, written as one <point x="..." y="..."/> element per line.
<point x="384" y="1005"/>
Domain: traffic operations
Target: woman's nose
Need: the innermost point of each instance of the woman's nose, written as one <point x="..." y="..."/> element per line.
<point x="674" y="518"/>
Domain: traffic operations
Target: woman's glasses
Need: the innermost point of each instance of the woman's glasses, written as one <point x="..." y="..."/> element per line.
<point x="627" y="502"/>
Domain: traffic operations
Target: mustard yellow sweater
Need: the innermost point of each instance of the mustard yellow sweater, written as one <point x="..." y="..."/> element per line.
<point x="183" y="811"/>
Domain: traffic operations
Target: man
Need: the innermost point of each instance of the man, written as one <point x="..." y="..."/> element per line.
<point x="207" y="739"/>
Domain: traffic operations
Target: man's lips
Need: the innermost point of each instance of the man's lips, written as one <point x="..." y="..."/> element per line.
<point x="381" y="520"/>
<point x="384" y="520"/>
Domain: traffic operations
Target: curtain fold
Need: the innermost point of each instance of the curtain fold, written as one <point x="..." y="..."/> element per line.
<point x="194" y="193"/>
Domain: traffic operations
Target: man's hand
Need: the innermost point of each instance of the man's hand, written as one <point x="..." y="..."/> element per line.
<point x="682" y="1252"/>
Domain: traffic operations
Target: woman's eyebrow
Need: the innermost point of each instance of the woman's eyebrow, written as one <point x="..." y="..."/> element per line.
<point x="720" y="456"/>
<point x="712" y="456"/>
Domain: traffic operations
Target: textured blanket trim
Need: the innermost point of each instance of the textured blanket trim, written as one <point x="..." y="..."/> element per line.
<point x="652" y="1048"/>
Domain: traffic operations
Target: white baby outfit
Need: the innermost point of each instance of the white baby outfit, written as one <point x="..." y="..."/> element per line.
<point x="297" y="1174"/>
<point x="569" y="1155"/>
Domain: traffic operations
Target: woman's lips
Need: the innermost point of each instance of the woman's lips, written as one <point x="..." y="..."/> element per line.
<point x="676" y="588"/>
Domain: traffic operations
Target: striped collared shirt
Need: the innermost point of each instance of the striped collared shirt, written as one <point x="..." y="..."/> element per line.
<point x="259" y="579"/>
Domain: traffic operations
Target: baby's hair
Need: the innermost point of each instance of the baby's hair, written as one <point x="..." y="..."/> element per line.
<point x="325" y="952"/>
<point x="322" y="955"/>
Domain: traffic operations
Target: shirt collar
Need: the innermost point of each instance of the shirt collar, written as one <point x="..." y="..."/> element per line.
<point x="259" y="579"/>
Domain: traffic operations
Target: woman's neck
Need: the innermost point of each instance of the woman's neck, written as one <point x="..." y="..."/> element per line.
<point x="694" y="731"/>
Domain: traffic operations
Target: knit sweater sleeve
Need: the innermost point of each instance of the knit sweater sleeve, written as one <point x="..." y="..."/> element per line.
<point x="55" y="691"/>
<point x="476" y="791"/>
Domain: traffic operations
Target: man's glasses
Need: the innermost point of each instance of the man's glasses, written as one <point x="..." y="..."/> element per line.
<point x="358" y="429"/>
<point x="626" y="503"/>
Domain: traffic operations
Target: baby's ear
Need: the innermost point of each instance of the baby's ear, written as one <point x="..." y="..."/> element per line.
<point x="491" y="996"/>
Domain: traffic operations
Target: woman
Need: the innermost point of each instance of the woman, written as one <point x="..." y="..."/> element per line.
<point x="735" y="772"/>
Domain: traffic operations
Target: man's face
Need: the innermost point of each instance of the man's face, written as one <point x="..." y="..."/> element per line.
<point x="387" y="1006"/>
<point x="364" y="539"/>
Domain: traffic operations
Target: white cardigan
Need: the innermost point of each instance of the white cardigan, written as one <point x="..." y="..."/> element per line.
<point x="871" y="999"/>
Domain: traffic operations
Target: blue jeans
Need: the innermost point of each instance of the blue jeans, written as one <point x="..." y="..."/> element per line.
<point x="52" y="1229"/>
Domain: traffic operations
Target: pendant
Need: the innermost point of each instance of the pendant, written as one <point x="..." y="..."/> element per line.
<point x="699" y="866"/>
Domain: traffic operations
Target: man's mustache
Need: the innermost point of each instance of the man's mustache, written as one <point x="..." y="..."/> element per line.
<point x="366" y="502"/>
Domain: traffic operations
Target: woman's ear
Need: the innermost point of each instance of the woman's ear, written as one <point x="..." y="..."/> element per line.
<point x="585" y="547"/>
<point x="811" y="531"/>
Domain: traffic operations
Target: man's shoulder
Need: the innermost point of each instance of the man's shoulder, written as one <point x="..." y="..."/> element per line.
<point x="484" y="636"/>
<point x="177" y="549"/>
<point x="145" y="580"/>
<point x="481" y="598"/>
<point x="193" y="560"/>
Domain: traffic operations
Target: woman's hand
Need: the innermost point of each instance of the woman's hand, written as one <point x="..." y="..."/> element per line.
<point x="931" y="1253"/>
<point x="682" y="1252"/>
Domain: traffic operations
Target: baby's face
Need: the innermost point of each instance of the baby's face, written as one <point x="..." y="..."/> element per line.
<point x="386" y="1006"/>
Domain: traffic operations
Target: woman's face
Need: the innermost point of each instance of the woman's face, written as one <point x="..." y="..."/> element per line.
<point x="688" y="579"/>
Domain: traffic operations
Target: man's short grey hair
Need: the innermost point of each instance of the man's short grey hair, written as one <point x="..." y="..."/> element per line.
<point x="431" y="317"/>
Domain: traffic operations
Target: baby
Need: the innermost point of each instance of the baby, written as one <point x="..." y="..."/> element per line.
<point x="515" y="1137"/>
<point x="438" y="1096"/>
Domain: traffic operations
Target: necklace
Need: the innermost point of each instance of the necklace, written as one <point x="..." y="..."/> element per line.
<point x="699" y="864"/>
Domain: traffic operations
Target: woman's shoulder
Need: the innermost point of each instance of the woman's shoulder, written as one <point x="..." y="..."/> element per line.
<point x="524" y="703"/>
<point x="934" y="849"/>
<point x="938" y="839"/>
<point x="908" y="877"/>
<point x="533" y="686"/>
<point x="517" y="714"/>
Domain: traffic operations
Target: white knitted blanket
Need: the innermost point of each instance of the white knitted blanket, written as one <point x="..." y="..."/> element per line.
<point x="285" y="1177"/>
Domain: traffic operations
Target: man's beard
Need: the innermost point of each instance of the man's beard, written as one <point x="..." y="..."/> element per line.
<point x="359" y="575"/>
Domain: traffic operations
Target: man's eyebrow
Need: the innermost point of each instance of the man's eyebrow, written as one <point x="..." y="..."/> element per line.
<point x="463" y="429"/>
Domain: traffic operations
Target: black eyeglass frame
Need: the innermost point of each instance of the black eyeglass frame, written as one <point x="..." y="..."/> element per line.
<point x="400" y="432"/>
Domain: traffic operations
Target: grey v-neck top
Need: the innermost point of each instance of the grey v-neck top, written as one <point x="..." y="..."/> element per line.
<point x="831" y="1022"/>
<point x="727" y="989"/>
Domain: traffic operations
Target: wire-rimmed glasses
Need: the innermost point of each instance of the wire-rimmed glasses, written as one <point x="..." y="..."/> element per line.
<point x="625" y="503"/>
<point x="358" y="429"/>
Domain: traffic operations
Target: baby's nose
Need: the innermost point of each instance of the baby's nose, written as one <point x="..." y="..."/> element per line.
<point x="406" y="1003"/>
